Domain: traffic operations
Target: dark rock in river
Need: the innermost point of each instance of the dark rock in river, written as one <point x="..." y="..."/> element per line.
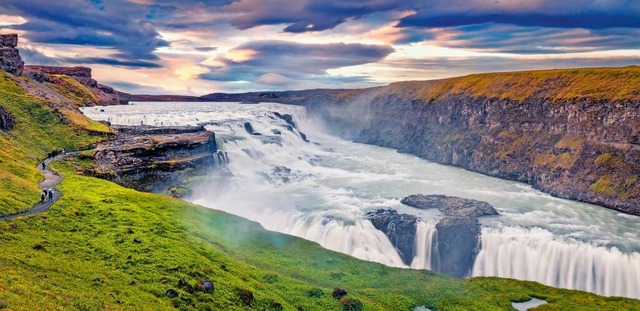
<point x="400" y="228"/>
<point x="458" y="231"/>
<point x="456" y="244"/>
<point x="450" y="206"/>
<point x="157" y="159"/>
<point x="286" y="117"/>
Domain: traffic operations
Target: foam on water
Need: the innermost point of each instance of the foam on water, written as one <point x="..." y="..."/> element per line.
<point x="320" y="190"/>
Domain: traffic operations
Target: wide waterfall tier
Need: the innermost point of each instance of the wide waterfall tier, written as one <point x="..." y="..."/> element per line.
<point x="285" y="173"/>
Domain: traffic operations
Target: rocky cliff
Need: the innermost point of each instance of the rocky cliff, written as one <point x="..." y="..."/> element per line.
<point x="10" y="60"/>
<point x="572" y="133"/>
<point x="65" y="78"/>
<point x="156" y="159"/>
<point x="455" y="245"/>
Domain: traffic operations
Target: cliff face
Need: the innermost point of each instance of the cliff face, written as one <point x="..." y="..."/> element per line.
<point x="156" y="159"/>
<point x="572" y="133"/>
<point x="65" y="78"/>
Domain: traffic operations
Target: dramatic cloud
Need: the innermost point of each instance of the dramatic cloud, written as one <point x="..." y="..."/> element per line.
<point x="306" y="16"/>
<point x="278" y="62"/>
<point x="588" y="21"/>
<point x="200" y="46"/>
<point x="118" y="25"/>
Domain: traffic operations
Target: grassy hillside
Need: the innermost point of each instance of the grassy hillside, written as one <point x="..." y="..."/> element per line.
<point x="105" y="247"/>
<point x="555" y="84"/>
<point x="41" y="126"/>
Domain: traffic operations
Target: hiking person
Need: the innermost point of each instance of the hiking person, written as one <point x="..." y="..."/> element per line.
<point x="43" y="195"/>
<point x="44" y="165"/>
<point x="50" y="193"/>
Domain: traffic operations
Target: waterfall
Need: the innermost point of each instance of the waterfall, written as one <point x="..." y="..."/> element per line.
<point x="533" y="254"/>
<point x="425" y="235"/>
<point x="320" y="190"/>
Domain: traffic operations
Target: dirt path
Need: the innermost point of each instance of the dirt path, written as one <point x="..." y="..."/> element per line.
<point x="51" y="180"/>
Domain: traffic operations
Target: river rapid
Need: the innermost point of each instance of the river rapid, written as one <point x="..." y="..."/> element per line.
<point x="320" y="189"/>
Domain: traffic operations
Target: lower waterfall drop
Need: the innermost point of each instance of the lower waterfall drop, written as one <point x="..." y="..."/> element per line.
<point x="533" y="254"/>
<point x="425" y="235"/>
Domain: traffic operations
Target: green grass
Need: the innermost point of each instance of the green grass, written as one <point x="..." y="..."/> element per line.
<point x="83" y="255"/>
<point x="39" y="129"/>
<point x="553" y="84"/>
<point x="105" y="247"/>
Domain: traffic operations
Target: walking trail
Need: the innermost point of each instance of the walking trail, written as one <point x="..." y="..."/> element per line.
<point x="51" y="180"/>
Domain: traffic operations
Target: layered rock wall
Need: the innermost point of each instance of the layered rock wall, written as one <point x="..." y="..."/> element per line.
<point x="156" y="159"/>
<point x="581" y="147"/>
<point x="79" y="73"/>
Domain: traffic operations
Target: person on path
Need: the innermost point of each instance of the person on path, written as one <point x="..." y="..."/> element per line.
<point x="43" y="196"/>
<point x="44" y="165"/>
<point x="50" y="193"/>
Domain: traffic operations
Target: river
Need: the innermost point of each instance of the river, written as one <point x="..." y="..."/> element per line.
<point x="320" y="189"/>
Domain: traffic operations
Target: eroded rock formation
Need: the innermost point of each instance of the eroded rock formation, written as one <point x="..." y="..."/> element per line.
<point x="99" y="93"/>
<point x="10" y="60"/>
<point x="458" y="232"/>
<point x="400" y="228"/>
<point x="156" y="158"/>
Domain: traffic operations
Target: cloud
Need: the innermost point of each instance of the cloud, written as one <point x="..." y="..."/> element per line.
<point x="205" y="48"/>
<point x="273" y="79"/>
<point x="110" y="61"/>
<point x="250" y="61"/>
<point x="117" y="24"/>
<point x="284" y="64"/>
<point x="588" y="21"/>
<point x="306" y="16"/>
<point x="190" y="72"/>
<point x="34" y="57"/>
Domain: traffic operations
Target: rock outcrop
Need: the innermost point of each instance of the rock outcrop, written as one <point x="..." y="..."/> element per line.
<point x="6" y="120"/>
<point x="10" y="60"/>
<point x="156" y="159"/>
<point x="450" y="206"/>
<point x="458" y="232"/>
<point x="572" y="133"/>
<point x="99" y="94"/>
<point x="400" y="228"/>
<point x="79" y="73"/>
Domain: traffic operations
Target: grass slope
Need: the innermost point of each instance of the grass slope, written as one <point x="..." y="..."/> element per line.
<point x="40" y="128"/>
<point x="553" y="84"/>
<point x="105" y="247"/>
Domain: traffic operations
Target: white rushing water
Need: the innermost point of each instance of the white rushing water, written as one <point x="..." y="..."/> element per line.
<point x="319" y="190"/>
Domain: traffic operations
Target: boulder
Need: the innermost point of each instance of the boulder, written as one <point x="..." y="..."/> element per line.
<point x="205" y="286"/>
<point x="450" y="206"/>
<point x="457" y="246"/>
<point x="10" y="60"/>
<point x="458" y="232"/>
<point x="338" y="293"/>
<point x="171" y="293"/>
<point x="10" y="40"/>
<point x="6" y="120"/>
<point x="400" y="228"/>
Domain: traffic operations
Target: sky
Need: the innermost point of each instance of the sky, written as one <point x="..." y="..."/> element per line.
<point x="196" y="47"/>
